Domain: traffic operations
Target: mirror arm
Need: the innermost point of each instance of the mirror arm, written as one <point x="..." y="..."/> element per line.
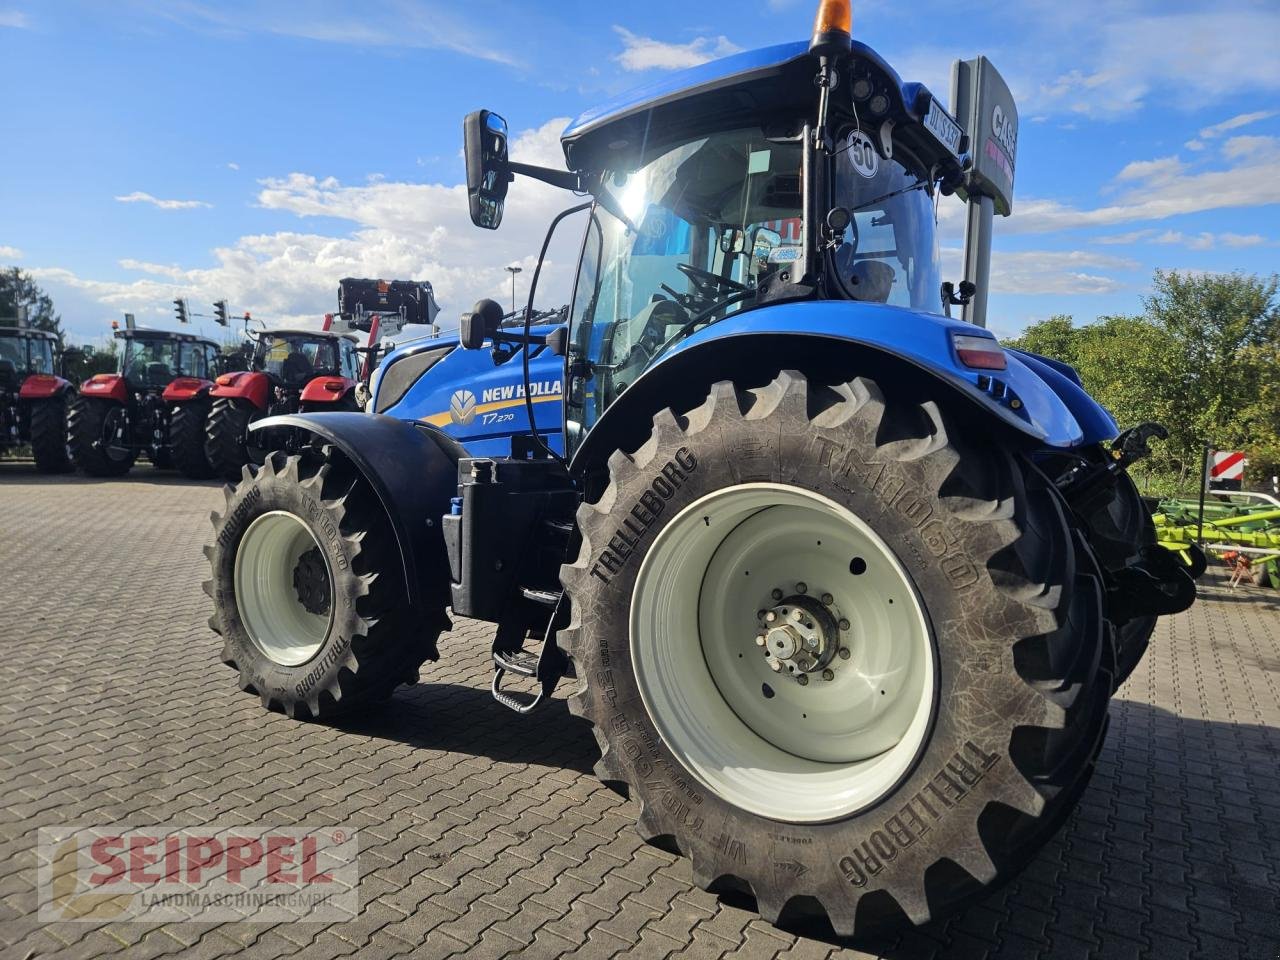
<point x="564" y="179"/>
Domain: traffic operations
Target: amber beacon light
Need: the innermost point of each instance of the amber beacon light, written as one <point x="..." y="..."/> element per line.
<point x="832" y="28"/>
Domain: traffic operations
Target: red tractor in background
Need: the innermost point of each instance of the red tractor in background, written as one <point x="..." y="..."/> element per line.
<point x="291" y="371"/>
<point x="156" y="404"/>
<point x="33" y="399"/>
<point x="310" y="371"/>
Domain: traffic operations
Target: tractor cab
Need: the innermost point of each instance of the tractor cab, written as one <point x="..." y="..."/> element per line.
<point x="150" y="360"/>
<point x="766" y="178"/>
<point x="293" y="358"/>
<point x="23" y="353"/>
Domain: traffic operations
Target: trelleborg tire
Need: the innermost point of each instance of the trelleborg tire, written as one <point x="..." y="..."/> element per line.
<point x="88" y="430"/>
<point x="49" y="434"/>
<point x="308" y="589"/>
<point x="224" y="438"/>
<point x="897" y="782"/>
<point x="187" y="423"/>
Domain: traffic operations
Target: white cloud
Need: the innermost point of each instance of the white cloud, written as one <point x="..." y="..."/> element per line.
<point x="1204" y="240"/>
<point x="10" y="253"/>
<point x="646" y="53"/>
<point x="139" y="197"/>
<point x="1159" y="189"/>
<point x="399" y="230"/>
<point x="15" y="19"/>
<point x="393" y="24"/>
<point x="1041" y="272"/>
<point x="1122" y="56"/>
<point x="233" y="166"/>
<point x="1164" y="168"/>
<point x="1232" y="123"/>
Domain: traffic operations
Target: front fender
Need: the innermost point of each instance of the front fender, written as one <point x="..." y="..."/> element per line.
<point x="413" y="470"/>
<point x="846" y="339"/>
<point x="251" y="385"/>
<point x="181" y="389"/>
<point x="326" y="389"/>
<point x="106" y="386"/>
<point x="42" y="386"/>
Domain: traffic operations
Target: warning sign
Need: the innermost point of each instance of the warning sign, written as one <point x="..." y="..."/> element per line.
<point x="1226" y="469"/>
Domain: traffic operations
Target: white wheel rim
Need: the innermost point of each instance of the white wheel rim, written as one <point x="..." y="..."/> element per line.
<point x="276" y="620"/>
<point x="806" y="753"/>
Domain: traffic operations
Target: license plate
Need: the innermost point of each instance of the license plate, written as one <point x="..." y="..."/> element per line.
<point x="939" y="123"/>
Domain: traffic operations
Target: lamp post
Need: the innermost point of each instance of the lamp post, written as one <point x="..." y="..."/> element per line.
<point x="513" y="271"/>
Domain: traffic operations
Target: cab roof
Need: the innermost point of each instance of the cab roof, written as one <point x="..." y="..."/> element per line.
<point x="140" y="334"/>
<point x="745" y="88"/>
<point x="314" y="334"/>
<point x="27" y="332"/>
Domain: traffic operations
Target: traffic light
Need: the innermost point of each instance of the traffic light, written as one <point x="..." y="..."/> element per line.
<point x="220" y="312"/>
<point x="180" y="308"/>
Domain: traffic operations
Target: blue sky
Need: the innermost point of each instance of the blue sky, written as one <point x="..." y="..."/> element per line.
<point x="261" y="151"/>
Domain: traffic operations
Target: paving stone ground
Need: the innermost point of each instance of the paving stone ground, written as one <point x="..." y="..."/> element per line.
<point x="486" y="835"/>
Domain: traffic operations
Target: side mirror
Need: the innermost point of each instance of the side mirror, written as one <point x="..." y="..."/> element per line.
<point x="479" y="325"/>
<point x="484" y="143"/>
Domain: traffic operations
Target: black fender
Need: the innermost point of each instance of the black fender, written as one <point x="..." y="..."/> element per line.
<point x="413" y="469"/>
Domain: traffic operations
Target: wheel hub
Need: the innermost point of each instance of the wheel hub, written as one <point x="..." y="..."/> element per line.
<point x="311" y="582"/>
<point x="801" y="634"/>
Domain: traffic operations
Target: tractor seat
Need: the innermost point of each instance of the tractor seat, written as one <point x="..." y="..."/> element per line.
<point x="871" y="281"/>
<point x="158" y="374"/>
<point x="296" y="367"/>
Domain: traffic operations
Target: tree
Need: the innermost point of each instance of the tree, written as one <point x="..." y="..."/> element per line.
<point x="1202" y="359"/>
<point x="18" y="289"/>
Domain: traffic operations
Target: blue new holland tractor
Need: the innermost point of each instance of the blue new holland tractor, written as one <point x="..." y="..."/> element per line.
<point x="844" y="586"/>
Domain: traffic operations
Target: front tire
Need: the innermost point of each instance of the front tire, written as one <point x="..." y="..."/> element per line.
<point x="901" y="780"/>
<point x="90" y="429"/>
<point x="307" y="587"/>
<point x="225" y="433"/>
<point x="187" y="423"/>
<point x="49" y="435"/>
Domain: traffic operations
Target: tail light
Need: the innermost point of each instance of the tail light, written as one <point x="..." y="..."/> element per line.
<point x="979" y="353"/>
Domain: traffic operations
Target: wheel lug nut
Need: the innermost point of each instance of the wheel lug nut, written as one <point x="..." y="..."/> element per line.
<point x="802" y="680"/>
<point x="770" y="616"/>
<point x="828" y="599"/>
<point x="802" y="587"/>
<point x="812" y="643"/>
<point x="776" y="594"/>
<point x="845" y="653"/>
<point x="844" y="624"/>
<point x="775" y="666"/>
<point x="828" y="674"/>
<point x="760" y="640"/>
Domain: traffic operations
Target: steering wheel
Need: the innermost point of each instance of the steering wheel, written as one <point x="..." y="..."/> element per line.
<point x="709" y="284"/>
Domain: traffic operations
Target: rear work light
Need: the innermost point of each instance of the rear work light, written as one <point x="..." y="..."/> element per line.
<point x="979" y="353"/>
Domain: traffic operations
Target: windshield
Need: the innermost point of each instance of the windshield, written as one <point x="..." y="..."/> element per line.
<point x="13" y="352"/>
<point x="41" y="356"/>
<point x="890" y="253"/>
<point x="148" y="362"/>
<point x="709" y="221"/>
<point x="296" y="358"/>
<point x="27" y="354"/>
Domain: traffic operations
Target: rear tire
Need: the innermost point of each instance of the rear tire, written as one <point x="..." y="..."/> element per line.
<point x="308" y="588"/>
<point x="88" y="432"/>
<point x="1010" y="608"/>
<point x="224" y="438"/>
<point x="49" y="435"/>
<point x="186" y="439"/>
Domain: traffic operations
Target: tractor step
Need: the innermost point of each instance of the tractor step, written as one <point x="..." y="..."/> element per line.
<point x="520" y="662"/>
<point x="547" y="598"/>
